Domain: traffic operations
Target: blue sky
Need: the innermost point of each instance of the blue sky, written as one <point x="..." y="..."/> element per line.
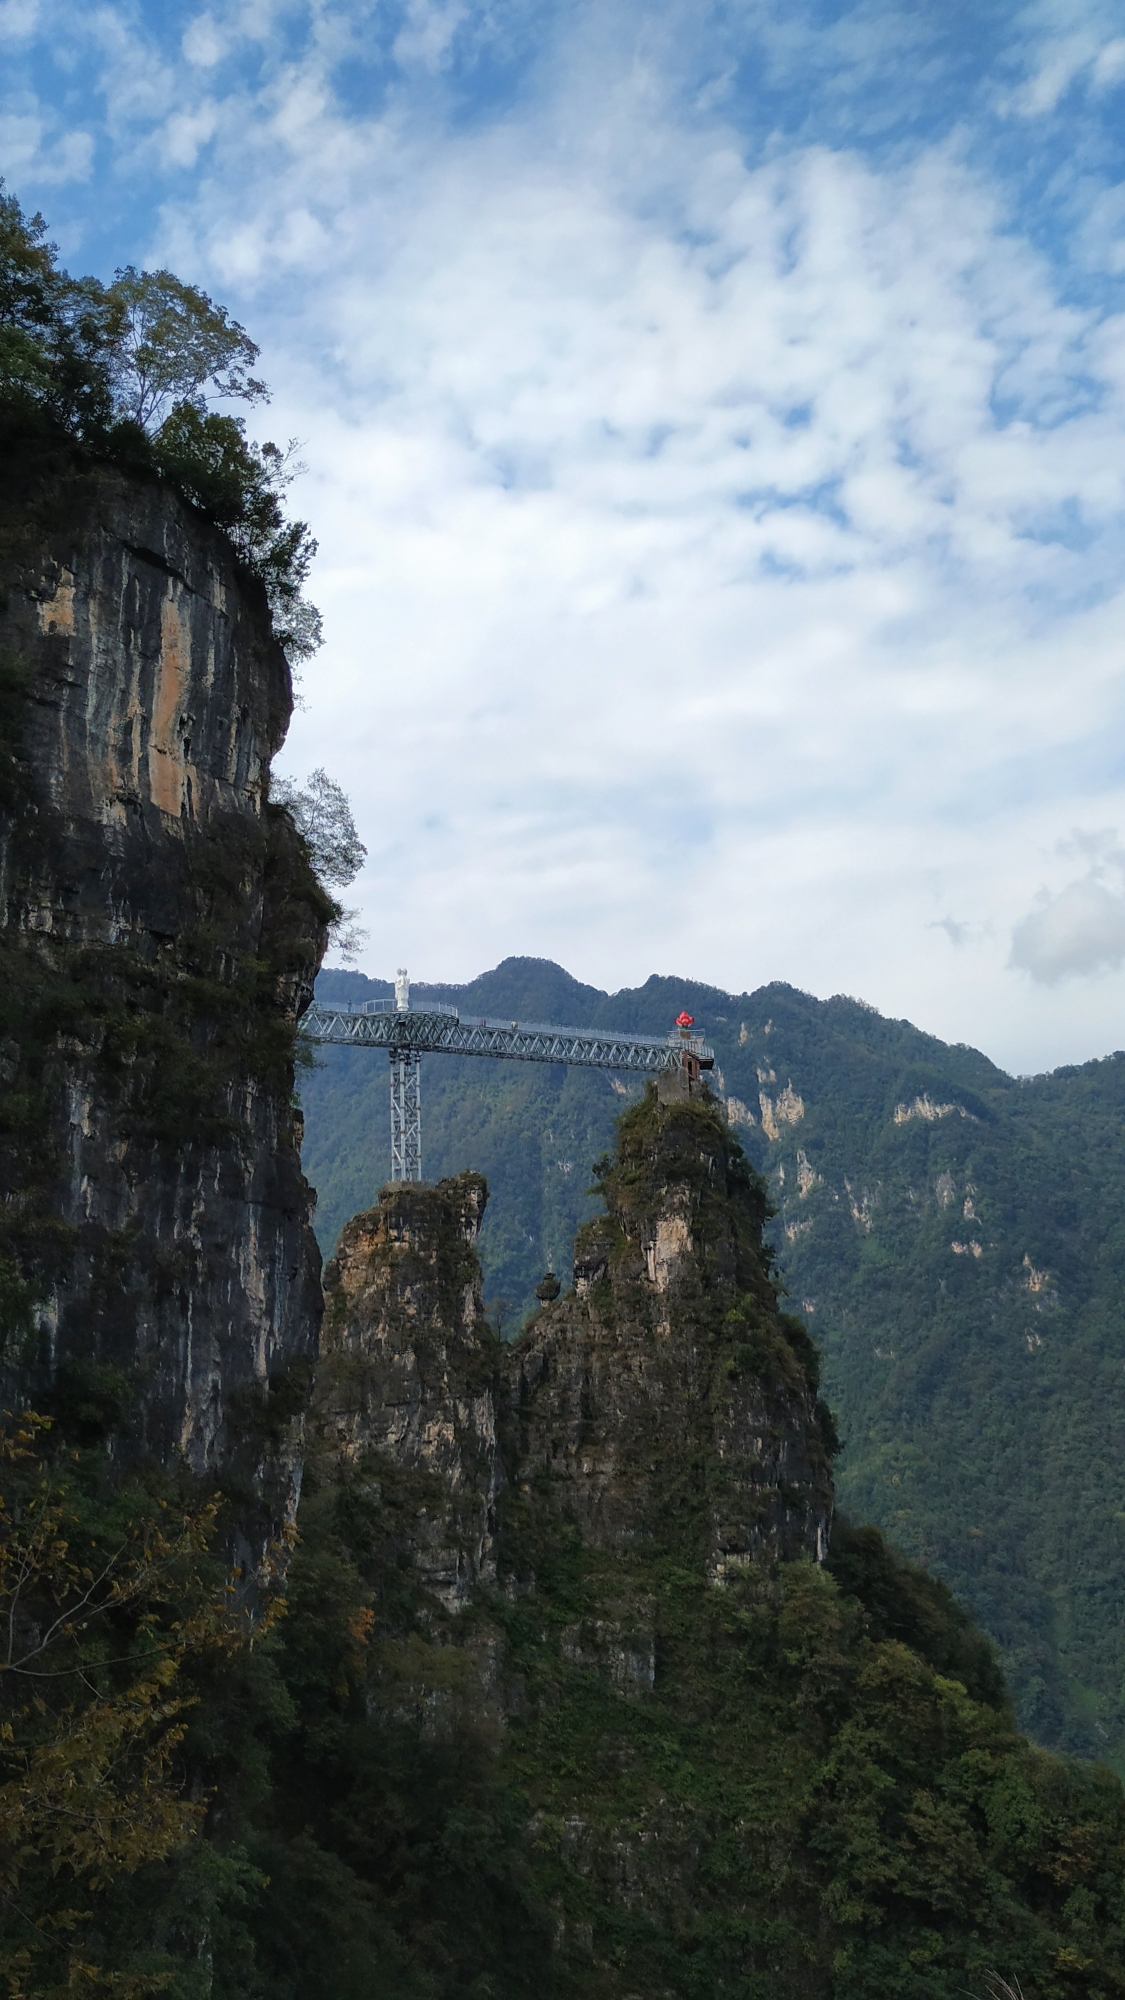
<point x="715" y="430"/>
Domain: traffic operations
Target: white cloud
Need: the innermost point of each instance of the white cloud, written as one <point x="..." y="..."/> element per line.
<point x="185" y="133"/>
<point x="720" y="550"/>
<point x="18" y="19"/>
<point x="203" y="43"/>
<point x="1062" y="43"/>
<point x="427" y="32"/>
<point x="683" y="566"/>
<point x="1078" y="931"/>
<point x="29" y="146"/>
<point x="1109" y="68"/>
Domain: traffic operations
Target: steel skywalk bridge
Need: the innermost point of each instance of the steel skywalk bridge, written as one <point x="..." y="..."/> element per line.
<point x="407" y="1033"/>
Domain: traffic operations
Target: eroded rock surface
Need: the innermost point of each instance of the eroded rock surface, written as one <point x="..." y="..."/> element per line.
<point x="409" y="1372"/>
<point x="662" y="1407"/>
<point x="666" y="1403"/>
<point x="160" y="930"/>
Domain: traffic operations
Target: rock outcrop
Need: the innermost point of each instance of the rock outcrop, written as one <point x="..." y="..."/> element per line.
<point x="664" y="1407"/>
<point x="160" y="930"/>
<point x="409" y="1375"/>
<point x="666" y="1403"/>
<point x="546" y="1527"/>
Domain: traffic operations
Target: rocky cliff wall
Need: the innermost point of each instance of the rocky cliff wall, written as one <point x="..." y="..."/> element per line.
<point x="573" y="1667"/>
<point x="559" y="1538"/>
<point x="160" y="930"/>
<point x="409" y="1375"/>
<point x="664" y="1407"/>
<point x="665" y="1403"/>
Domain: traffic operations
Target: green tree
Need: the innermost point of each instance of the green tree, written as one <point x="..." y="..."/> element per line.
<point x="127" y="371"/>
<point x="323" y="817"/>
<point x="107" y="1598"/>
<point x="169" y="342"/>
<point x="53" y="330"/>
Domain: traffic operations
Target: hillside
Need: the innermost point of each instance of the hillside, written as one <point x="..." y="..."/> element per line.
<point x="619" y="1729"/>
<point x="954" y="1237"/>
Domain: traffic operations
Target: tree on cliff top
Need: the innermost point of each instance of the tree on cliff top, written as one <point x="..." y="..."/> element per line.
<point x="128" y="370"/>
<point x="170" y="341"/>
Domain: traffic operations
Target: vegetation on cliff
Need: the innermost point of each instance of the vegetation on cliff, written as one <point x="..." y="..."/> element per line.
<point x="607" y="1775"/>
<point x="125" y="372"/>
<point x="160" y="928"/>
<point x="113" y="1612"/>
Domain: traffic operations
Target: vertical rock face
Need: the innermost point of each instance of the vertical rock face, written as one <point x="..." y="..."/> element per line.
<point x="160" y="932"/>
<point x="409" y="1372"/>
<point x="633" y="1472"/>
<point x="667" y="1404"/>
<point x="664" y="1408"/>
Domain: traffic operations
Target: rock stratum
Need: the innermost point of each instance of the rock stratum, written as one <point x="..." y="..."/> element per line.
<point x="160" y="929"/>
<point x="664" y="1404"/>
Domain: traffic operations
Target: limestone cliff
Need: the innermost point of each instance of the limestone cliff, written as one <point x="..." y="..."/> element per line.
<point x="160" y="929"/>
<point x="409" y="1372"/>
<point x="662" y="1408"/>
<point x="531" y="1519"/>
<point x="665" y="1401"/>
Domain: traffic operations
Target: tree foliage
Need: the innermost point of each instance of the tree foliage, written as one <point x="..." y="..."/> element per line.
<point x="169" y="343"/>
<point x="108" y="1601"/>
<point x="322" y="815"/>
<point x="324" y="820"/>
<point x="128" y="370"/>
<point x="822" y="1793"/>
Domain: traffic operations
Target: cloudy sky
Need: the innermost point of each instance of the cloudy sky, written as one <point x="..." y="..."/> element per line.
<point x="714" y="418"/>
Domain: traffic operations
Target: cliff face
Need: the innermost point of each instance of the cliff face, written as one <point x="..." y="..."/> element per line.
<point x="665" y="1403"/>
<point x="661" y="1411"/>
<point x="582" y="1710"/>
<point x="539" y="1520"/>
<point x="160" y="932"/>
<point x="410" y="1374"/>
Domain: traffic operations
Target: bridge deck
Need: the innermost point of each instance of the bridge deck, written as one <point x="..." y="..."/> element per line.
<point x="434" y="1031"/>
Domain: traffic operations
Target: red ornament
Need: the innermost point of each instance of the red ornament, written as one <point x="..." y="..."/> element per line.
<point x="685" y="1020"/>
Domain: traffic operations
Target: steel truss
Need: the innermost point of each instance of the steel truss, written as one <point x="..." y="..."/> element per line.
<point x="406" y="1115"/>
<point x="406" y="1034"/>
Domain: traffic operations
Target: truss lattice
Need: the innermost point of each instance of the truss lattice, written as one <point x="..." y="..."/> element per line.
<point x="428" y="1032"/>
<point x="406" y="1115"/>
<point x="407" y="1033"/>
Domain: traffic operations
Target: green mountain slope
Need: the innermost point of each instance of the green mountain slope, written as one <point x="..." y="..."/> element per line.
<point x="955" y="1238"/>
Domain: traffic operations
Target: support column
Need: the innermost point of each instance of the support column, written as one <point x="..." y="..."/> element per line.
<point x="406" y="1115"/>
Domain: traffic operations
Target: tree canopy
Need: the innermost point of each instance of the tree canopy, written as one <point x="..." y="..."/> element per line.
<point x="322" y="815"/>
<point x="130" y="370"/>
<point x="170" y="341"/>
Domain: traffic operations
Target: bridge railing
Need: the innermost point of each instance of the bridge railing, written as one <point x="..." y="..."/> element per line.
<point x="442" y="1030"/>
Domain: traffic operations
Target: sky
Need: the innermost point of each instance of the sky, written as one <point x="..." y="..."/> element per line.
<point x="714" y="422"/>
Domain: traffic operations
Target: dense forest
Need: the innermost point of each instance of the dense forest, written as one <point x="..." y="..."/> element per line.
<point x="952" y="1235"/>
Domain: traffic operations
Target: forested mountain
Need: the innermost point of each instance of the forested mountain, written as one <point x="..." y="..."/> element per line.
<point x="954" y="1237"/>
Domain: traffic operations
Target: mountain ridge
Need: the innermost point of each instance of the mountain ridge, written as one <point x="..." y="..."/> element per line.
<point x="952" y="1234"/>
